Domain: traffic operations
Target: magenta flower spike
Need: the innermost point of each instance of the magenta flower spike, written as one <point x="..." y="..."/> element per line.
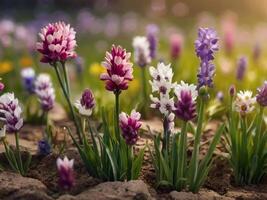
<point x="176" y="44"/>
<point x="130" y="126"/>
<point x="66" y="173"/>
<point x="119" y="69"/>
<point x="57" y="43"/>
<point x="86" y="104"/>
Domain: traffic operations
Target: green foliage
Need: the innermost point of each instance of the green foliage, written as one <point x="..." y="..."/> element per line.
<point x="247" y="141"/>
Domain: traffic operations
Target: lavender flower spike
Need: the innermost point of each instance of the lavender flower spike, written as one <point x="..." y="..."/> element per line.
<point x="130" y="126"/>
<point x="241" y="68"/>
<point x="45" y="91"/>
<point x="205" y="74"/>
<point x="206" y="44"/>
<point x="152" y="31"/>
<point x="66" y="173"/>
<point x="262" y="95"/>
<point x="11" y="112"/>
<point x="86" y="104"/>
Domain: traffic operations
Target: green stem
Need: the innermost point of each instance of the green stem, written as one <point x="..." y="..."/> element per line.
<point x="129" y="162"/>
<point x="194" y="161"/>
<point x="144" y="85"/>
<point x="258" y="130"/>
<point x="117" y="110"/>
<point x="166" y="138"/>
<point x="182" y="157"/>
<point x="66" y="77"/>
<point x="19" y="154"/>
<point x="69" y="102"/>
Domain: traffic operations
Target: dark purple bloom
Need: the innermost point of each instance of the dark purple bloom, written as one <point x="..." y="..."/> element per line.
<point x="87" y="100"/>
<point x="206" y="44"/>
<point x="66" y="173"/>
<point x="262" y="95"/>
<point x="185" y="107"/>
<point x="44" y="148"/>
<point x="152" y="31"/>
<point x="205" y="74"/>
<point x="232" y="90"/>
<point x="241" y="68"/>
<point x="130" y="126"/>
<point x="119" y="69"/>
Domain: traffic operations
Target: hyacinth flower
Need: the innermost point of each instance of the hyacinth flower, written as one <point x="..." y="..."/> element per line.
<point x="246" y="137"/>
<point x="45" y="92"/>
<point x="57" y="45"/>
<point x="66" y="173"/>
<point x="28" y="79"/>
<point x="142" y="57"/>
<point x="130" y="125"/>
<point x="152" y="32"/>
<point x="11" y="116"/>
<point x="241" y="68"/>
<point x="205" y="47"/>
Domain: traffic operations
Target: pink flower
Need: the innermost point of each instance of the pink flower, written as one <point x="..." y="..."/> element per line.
<point x="119" y="69"/>
<point x="130" y="126"/>
<point x="66" y="173"/>
<point x="57" y="42"/>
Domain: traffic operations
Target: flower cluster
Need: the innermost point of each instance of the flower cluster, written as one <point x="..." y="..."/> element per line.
<point x="130" y="126"/>
<point x="28" y="79"/>
<point x="57" y="42"/>
<point x="86" y="104"/>
<point x="10" y="112"/>
<point x="45" y="91"/>
<point x="152" y="31"/>
<point x="119" y="69"/>
<point x="141" y="51"/>
<point x="245" y="102"/>
<point x="241" y="68"/>
<point x="185" y="106"/>
<point x="205" y="46"/>
<point x="66" y="173"/>
<point x="262" y="95"/>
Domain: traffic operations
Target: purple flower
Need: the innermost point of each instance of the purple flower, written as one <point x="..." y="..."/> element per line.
<point x="86" y="104"/>
<point x="205" y="74"/>
<point x="44" y="148"/>
<point x="176" y="43"/>
<point x="152" y="31"/>
<point x="28" y="79"/>
<point x="185" y="107"/>
<point x="130" y="126"/>
<point x="10" y="112"/>
<point x="2" y="86"/>
<point x="45" y="91"/>
<point x="206" y="44"/>
<point x="119" y="69"/>
<point x="57" y="42"/>
<point x="66" y="173"/>
<point x="220" y="96"/>
<point x="241" y="68"/>
<point x="262" y="95"/>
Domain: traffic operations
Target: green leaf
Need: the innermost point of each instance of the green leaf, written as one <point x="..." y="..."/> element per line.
<point x="137" y="164"/>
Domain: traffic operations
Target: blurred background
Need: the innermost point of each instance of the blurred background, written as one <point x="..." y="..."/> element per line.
<point x="241" y="26"/>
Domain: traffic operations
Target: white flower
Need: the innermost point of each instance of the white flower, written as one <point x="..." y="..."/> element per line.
<point x="141" y="51"/>
<point x="186" y="87"/>
<point x="245" y="102"/>
<point x="165" y="104"/>
<point x="65" y="163"/>
<point x="162" y="78"/>
<point x="27" y="73"/>
<point x="82" y="109"/>
<point x="171" y="124"/>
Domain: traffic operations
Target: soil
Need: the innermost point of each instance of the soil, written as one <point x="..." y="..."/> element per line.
<point x="219" y="184"/>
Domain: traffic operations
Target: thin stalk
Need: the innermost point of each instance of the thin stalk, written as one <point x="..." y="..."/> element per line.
<point x="194" y="161"/>
<point x="69" y="102"/>
<point x="182" y="157"/>
<point x="166" y="138"/>
<point x="258" y="130"/>
<point x="129" y="162"/>
<point x="117" y="110"/>
<point x="66" y="77"/>
<point x="19" y="154"/>
<point x="144" y="89"/>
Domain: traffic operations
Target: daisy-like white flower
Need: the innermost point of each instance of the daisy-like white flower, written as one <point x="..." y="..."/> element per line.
<point x="86" y="104"/>
<point x="245" y="102"/>
<point x="11" y="112"/>
<point x="66" y="173"/>
<point x="192" y="89"/>
<point x="57" y="42"/>
<point x="141" y="51"/>
<point x="164" y="103"/>
<point x="162" y="78"/>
